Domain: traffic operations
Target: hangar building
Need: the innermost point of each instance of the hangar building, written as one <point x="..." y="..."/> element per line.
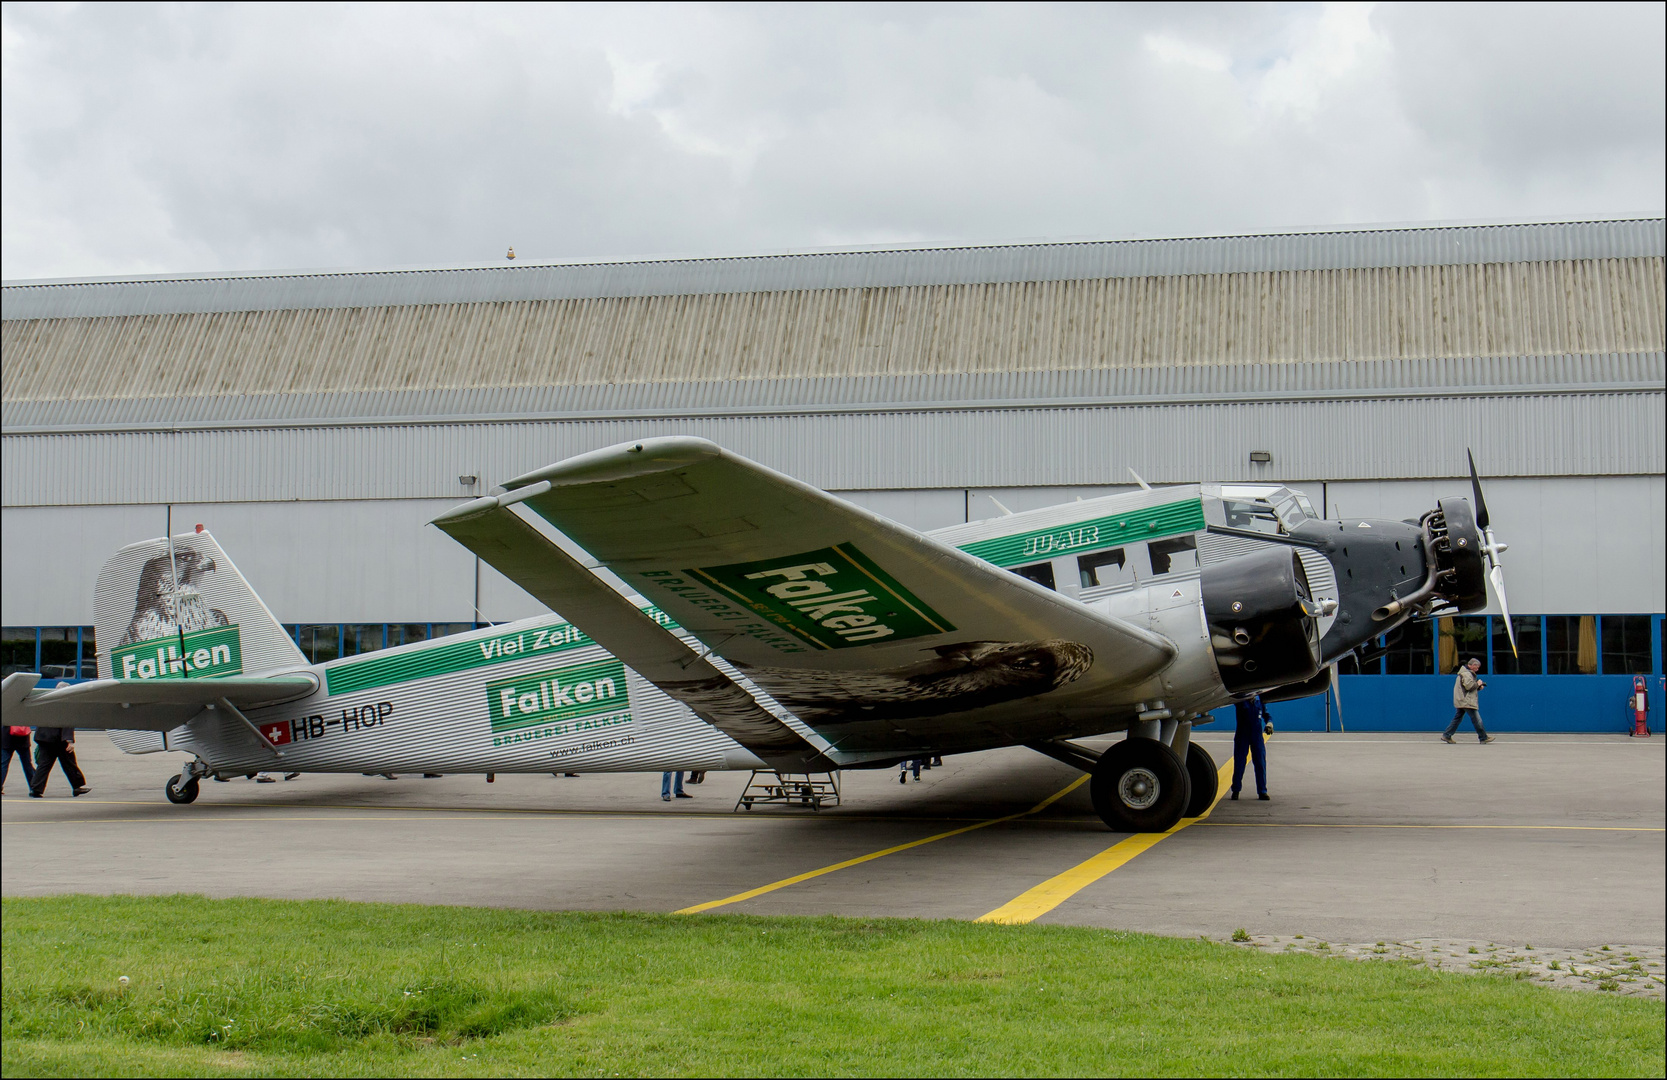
<point x="315" y="421"/>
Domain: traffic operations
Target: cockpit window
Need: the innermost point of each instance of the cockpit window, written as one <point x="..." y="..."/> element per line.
<point x="1041" y="573"/>
<point x="1251" y="516"/>
<point x="1173" y="555"/>
<point x="1291" y="513"/>
<point x="1306" y="506"/>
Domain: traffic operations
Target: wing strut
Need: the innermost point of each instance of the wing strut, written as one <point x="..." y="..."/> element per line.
<point x="524" y="555"/>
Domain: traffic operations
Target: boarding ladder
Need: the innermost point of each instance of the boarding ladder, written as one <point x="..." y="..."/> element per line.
<point x="767" y="787"/>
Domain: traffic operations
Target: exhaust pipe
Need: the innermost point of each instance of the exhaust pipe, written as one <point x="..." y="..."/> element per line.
<point x="1432" y="572"/>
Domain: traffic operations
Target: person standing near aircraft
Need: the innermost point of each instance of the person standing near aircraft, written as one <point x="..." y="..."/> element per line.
<point x="670" y="783"/>
<point x="56" y="744"/>
<point x="16" y="742"/>
<point x="1252" y="717"/>
<point x="1466" y="688"/>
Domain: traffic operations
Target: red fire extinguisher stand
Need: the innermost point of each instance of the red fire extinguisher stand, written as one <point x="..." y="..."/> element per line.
<point x="1640" y="708"/>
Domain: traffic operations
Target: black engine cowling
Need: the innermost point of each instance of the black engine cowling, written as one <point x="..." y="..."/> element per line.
<point x="1262" y="627"/>
<point x="1458" y="552"/>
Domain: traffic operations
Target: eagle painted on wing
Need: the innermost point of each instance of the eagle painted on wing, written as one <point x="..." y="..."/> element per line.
<point x="970" y="675"/>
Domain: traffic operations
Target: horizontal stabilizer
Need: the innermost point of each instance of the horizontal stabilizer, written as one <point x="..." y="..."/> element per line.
<point x="142" y="704"/>
<point x="525" y="556"/>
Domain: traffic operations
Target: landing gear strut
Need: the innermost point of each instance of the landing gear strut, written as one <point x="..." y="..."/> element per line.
<point x="1139" y="785"/>
<point x="183" y="788"/>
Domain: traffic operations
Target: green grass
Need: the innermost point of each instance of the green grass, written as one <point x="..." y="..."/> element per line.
<point x="322" y="987"/>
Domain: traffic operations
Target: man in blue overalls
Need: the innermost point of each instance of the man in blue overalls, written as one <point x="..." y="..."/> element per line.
<point x="1253" y="719"/>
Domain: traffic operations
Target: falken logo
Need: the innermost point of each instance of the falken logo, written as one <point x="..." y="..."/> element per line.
<point x="206" y="654"/>
<point x="562" y="696"/>
<point x="835" y="598"/>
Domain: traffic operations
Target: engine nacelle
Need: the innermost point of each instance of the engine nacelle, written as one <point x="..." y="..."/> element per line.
<point x="1458" y="555"/>
<point x="1261" y="619"/>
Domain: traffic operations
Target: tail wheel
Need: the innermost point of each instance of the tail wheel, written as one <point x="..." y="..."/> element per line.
<point x="1139" y="785"/>
<point x="1206" y="781"/>
<point x="182" y="793"/>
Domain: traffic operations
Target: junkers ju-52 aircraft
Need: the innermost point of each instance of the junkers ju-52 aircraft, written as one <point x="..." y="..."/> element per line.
<point x="776" y="626"/>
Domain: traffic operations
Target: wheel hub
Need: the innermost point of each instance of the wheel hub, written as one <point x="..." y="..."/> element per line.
<point x="1139" y="788"/>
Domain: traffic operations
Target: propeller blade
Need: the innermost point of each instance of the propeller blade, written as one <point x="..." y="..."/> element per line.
<point x="1476" y="490"/>
<point x="1337" y="694"/>
<point x="1496" y="577"/>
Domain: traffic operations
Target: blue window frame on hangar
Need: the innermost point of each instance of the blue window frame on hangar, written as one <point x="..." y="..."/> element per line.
<point x="326" y="417"/>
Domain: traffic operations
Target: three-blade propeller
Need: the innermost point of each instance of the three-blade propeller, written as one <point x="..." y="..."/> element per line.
<point x="1491" y="550"/>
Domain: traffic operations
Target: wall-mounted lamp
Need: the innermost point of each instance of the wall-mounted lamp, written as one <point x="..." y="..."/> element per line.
<point x="467" y="481"/>
<point x="1261" y="457"/>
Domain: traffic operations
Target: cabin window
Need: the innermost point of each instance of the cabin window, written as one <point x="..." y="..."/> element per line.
<point x="1174" y="555"/>
<point x="1105" y="568"/>
<point x="1041" y="573"/>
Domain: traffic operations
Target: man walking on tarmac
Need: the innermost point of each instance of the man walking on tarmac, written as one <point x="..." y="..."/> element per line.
<point x="1466" y="687"/>
<point x="1253" y="721"/>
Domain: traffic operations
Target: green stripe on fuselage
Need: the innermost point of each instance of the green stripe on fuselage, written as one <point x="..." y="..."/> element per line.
<point x="447" y="657"/>
<point x="1146" y="523"/>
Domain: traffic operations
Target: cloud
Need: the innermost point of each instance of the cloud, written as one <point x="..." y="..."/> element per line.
<point x="165" y="138"/>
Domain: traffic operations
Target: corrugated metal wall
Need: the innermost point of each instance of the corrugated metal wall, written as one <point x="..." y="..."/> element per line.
<point x="1518" y="435"/>
<point x="1558" y="307"/>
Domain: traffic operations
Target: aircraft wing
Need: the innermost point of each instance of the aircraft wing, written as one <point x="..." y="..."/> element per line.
<point x="142" y="704"/>
<point x="522" y="554"/>
<point x="845" y="618"/>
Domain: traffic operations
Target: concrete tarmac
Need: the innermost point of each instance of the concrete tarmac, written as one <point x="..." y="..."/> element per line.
<point x="1553" y="840"/>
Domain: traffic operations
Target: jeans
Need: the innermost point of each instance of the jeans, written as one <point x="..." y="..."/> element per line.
<point x="19" y="745"/>
<point x="666" y="781"/>
<point x="1249" y="744"/>
<point x="1475" y="722"/>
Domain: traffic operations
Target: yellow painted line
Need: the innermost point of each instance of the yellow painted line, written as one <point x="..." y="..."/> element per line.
<point x="1035" y="902"/>
<point x="870" y="857"/>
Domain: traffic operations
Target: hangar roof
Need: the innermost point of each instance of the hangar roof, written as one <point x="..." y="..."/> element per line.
<point x="1343" y="249"/>
<point x="1562" y="308"/>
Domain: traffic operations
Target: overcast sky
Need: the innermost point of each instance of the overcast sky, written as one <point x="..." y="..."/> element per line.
<point x="144" y="139"/>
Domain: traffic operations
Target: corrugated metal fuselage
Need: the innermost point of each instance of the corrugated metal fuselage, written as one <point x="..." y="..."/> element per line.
<point x="538" y="696"/>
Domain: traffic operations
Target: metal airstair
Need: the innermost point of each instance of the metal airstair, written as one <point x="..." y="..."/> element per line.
<point x="813" y="791"/>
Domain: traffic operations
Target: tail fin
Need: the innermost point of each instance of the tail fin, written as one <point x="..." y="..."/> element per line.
<point x="196" y="618"/>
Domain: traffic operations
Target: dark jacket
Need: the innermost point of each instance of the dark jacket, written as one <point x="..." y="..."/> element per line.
<point x="1250" y="713"/>
<point x="54" y="734"/>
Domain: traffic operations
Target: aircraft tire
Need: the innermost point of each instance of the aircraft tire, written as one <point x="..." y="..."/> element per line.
<point x="181" y="794"/>
<point x="1139" y="785"/>
<point x="1206" y="781"/>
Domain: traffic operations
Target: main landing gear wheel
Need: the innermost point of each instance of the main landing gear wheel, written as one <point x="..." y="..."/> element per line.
<point x="1139" y="785"/>
<point x="182" y="793"/>
<point x="1206" y="781"/>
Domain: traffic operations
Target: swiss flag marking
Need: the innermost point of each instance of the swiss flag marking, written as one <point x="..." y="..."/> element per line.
<point x="276" y="734"/>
